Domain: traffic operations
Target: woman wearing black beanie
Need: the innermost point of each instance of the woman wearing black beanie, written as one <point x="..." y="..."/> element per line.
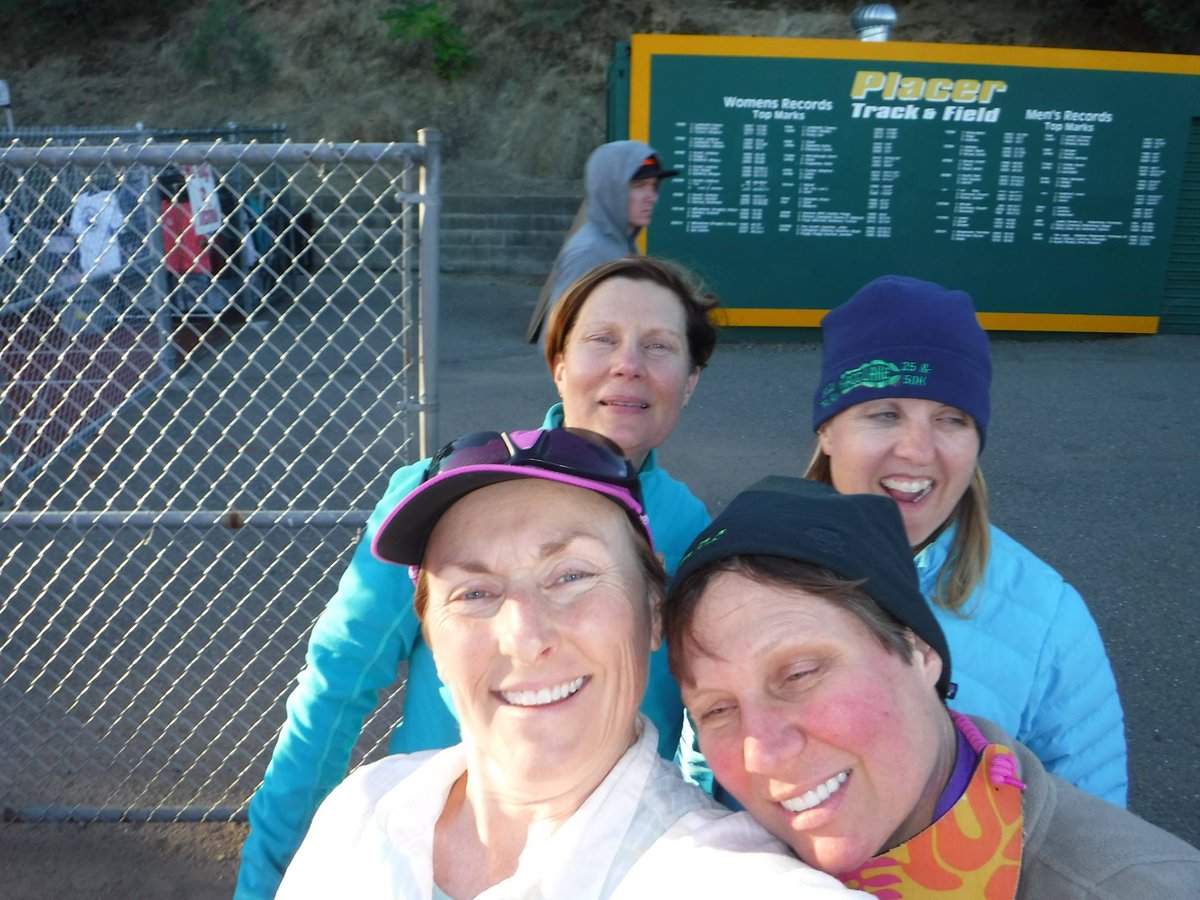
<point x="817" y="675"/>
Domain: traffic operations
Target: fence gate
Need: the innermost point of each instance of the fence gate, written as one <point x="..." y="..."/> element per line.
<point x="211" y="357"/>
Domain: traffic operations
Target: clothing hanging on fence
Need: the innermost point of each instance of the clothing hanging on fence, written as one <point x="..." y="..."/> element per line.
<point x="240" y="224"/>
<point x="185" y="251"/>
<point x="202" y="195"/>
<point x="230" y="245"/>
<point x="260" y="234"/>
<point x="6" y="235"/>
<point x="95" y="221"/>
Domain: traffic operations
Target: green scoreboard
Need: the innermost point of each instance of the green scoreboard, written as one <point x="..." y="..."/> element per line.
<point x="1049" y="184"/>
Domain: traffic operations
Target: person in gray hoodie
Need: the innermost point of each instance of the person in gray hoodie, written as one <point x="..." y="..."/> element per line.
<point x="621" y="180"/>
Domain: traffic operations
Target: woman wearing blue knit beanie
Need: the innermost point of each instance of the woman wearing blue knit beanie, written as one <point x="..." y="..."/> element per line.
<point x="902" y="410"/>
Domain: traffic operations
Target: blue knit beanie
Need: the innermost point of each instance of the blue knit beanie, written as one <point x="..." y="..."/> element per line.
<point x="903" y="337"/>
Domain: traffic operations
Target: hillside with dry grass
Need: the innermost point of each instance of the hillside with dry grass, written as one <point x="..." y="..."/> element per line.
<point x="523" y="115"/>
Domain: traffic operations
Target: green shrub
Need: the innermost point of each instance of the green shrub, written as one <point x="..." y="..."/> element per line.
<point x="228" y="45"/>
<point x="428" y="20"/>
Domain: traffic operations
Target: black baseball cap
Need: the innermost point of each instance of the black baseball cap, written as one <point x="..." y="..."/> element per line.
<point x="651" y="167"/>
<point x="860" y="537"/>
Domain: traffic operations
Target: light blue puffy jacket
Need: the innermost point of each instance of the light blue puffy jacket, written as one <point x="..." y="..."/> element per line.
<point x="368" y="629"/>
<point x="1028" y="656"/>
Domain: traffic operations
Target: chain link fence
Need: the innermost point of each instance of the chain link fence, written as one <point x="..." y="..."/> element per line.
<point x="211" y="357"/>
<point x="232" y="132"/>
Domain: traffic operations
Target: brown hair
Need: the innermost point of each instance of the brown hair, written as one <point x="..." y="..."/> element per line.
<point x="970" y="548"/>
<point x="701" y="333"/>
<point x="683" y="600"/>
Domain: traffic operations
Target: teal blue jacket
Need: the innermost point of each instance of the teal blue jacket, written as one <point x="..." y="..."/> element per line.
<point x="358" y="643"/>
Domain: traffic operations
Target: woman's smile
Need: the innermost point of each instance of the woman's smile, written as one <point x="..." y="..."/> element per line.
<point x="544" y="696"/>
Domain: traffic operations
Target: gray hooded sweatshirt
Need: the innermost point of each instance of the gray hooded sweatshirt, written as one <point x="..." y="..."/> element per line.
<point x="605" y="234"/>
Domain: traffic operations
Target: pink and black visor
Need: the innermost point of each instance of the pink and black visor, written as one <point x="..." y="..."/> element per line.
<point x="572" y="456"/>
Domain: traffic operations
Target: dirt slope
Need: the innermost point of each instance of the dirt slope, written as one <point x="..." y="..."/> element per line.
<point x="523" y="117"/>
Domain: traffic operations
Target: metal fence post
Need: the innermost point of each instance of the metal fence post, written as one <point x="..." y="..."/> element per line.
<point x="429" y="225"/>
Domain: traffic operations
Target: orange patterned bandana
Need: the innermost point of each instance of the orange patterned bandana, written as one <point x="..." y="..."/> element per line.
<point x="974" y="850"/>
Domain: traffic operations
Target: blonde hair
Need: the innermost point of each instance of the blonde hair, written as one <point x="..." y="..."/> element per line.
<point x="969" y="551"/>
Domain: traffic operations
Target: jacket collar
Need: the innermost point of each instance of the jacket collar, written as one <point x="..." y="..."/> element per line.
<point x="932" y="557"/>
<point x="576" y="861"/>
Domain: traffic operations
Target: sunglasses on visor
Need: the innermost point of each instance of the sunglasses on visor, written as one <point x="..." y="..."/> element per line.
<point x="571" y="451"/>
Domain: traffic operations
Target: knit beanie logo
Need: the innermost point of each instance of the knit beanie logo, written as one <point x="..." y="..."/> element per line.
<point x="877" y="373"/>
<point x="700" y="545"/>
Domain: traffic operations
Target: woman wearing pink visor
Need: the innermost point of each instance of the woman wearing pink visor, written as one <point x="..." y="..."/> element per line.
<point x="537" y="588"/>
<point x="625" y="348"/>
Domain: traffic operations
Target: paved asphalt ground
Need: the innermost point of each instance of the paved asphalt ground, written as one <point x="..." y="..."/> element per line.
<point x="1092" y="461"/>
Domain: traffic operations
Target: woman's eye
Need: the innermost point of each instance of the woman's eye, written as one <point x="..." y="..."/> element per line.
<point x="661" y="346"/>
<point x="798" y="675"/>
<point x="575" y="575"/>
<point x="474" y="592"/>
<point x="715" y="712"/>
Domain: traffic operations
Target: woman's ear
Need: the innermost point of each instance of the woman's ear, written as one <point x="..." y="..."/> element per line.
<point x="692" y="380"/>
<point x="927" y="660"/>
<point x="559" y="371"/>
<point x="823" y="440"/>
